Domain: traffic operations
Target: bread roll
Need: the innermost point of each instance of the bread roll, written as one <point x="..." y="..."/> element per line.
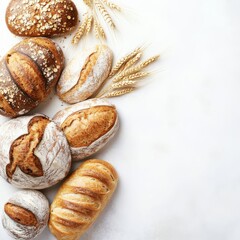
<point x="28" y="73"/>
<point x="34" y="152"/>
<point x="88" y="126"/>
<point x="81" y="199"/>
<point x="25" y="214"/>
<point x="85" y="74"/>
<point x="34" y="18"/>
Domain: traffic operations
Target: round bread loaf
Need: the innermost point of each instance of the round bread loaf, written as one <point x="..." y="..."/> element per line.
<point x="35" y="155"/>
<point x="84" y="74"/>
<point x="25" y="214"/>
<point x="34" y="18"/>
<point x="28" y="73"/>
<point x="88" y="126"/>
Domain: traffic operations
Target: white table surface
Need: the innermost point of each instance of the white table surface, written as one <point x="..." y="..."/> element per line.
<point x="177" y="152"/>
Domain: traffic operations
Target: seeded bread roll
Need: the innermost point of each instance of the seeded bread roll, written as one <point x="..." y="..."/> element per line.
<point x="85" y="74"/>
<point x="25" y="214"/>
<point x="88" y="126"/>
<point x="46" y="18"/>
<point x="81" y="199"/>
<point x="34" y="152"/>
<point x="28" y="73"/>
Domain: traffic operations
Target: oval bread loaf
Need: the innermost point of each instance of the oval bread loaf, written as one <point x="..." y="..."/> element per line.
<point x="46" y="18"/>
<point x="88" y="126"/>
<point x="35" y="154"/>
<point x="81" y="199"/>
<point x="25" y="214"/>
<point x="85" y="74"/>
<point x="28" y="73"/>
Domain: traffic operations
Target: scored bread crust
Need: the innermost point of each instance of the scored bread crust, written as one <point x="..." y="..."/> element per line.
<point x="79" y="153"/>
<point x="81" y="198"/>
<point x="52" y="151"/>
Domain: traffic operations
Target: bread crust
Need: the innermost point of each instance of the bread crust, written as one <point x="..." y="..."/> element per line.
<point x="44" y="18"/>
<point x="84" y="74"/>
<point x="28" y="73"/>
<point x="81" y="199"/>
<point x="35" y="155"/>
<point x="95" y="131"/>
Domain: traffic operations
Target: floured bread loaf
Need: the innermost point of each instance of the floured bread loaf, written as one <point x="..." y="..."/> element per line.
<point x="28" y="73"/>
<point x="81" y="199"/>
<point x="34" y="152"/>
<point x="25" y="214"/>
<point x="88" y="126"/>
<point x="46" y="18"/>
<point x="84" y="74"/>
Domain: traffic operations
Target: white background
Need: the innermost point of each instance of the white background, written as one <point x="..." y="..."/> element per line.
<point x="177" y="152"/>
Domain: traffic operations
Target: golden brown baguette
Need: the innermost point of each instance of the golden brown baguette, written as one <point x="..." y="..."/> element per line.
<point x="81" y="199"/>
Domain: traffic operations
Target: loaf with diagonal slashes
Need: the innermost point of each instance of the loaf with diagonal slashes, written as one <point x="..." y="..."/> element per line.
<point x="81" y="199"/>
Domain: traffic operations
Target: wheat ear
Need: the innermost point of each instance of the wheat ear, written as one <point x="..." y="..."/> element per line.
<point x="105" y="14"/>
<point x="124" y="61"/>
<point x="111" y="5"/>
<point x="80" y="32"/>
<point x="117" y="93"/>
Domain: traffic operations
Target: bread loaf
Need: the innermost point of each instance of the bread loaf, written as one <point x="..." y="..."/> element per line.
<point x="28" y="73"/>
<point x="84" y="74"/>
<point x="34" y="18"/>
<point x="81" y="199"/>
<point x="25" y="214"/>
<point x="88" y="126"/>
<point x="34" y="152"/>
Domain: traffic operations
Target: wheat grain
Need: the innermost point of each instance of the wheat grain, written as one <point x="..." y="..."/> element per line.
<point x="124" y="61"/>
<point x="80" y="32"/>
<point x="112" y="5"/>
<point x="117" y="93"/>
<point x="105" y="14"/>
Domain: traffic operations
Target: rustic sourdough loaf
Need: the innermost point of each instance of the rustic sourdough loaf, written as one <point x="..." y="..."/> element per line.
<point x="28" y="73"/>
<point x="25" y="214"/>
<point x="34" y="152"/>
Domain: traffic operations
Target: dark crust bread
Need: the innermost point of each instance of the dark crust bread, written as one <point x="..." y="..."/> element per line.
<point x="44" y="18"/>
<point x="28" y="73"/>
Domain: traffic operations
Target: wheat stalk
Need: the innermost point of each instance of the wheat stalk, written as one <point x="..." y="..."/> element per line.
<point x="124" y="61"/>
<point x="111" y="5"/>
<point x="99" y="31"/>
<point x="105" y="13"/>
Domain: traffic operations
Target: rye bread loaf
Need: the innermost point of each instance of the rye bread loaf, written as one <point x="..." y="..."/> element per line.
<point x="45" y="18"/>
<point x="28" y="73"/>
